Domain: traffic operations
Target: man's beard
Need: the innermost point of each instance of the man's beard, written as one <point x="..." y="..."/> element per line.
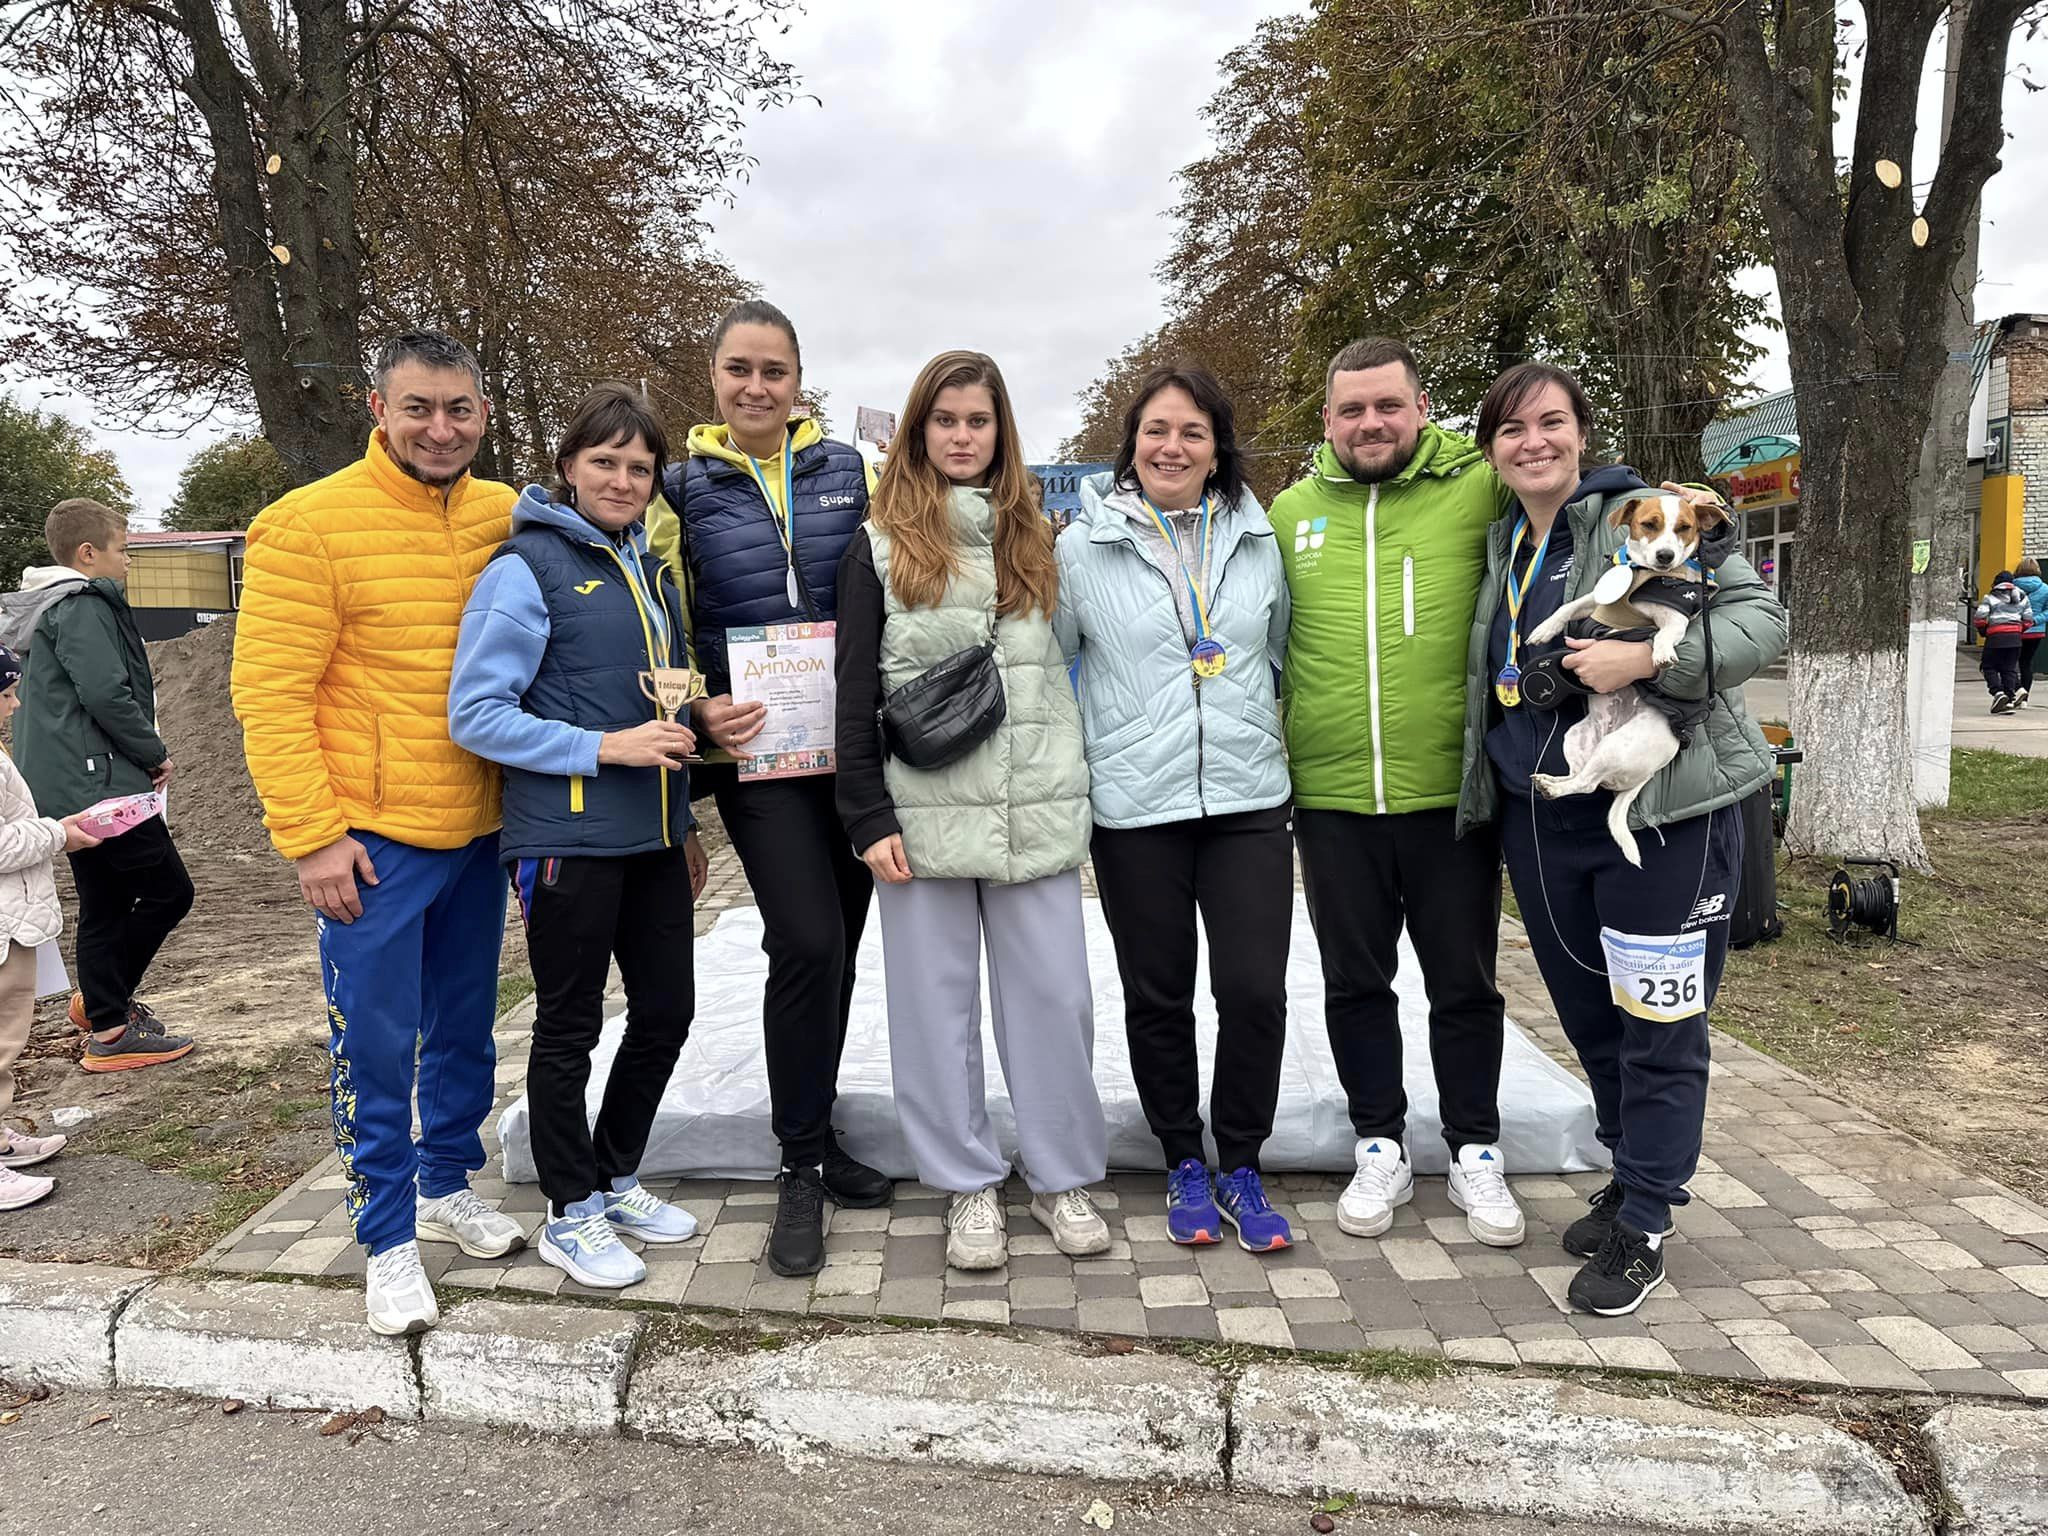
<point x="1378" y="473"/>
<point x="432" y="482"/>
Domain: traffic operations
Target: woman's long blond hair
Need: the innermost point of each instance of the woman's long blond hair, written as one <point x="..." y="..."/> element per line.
<point x="911" y="502"/>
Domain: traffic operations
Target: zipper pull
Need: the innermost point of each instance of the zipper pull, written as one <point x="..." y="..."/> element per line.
<point x="789" y="586"/>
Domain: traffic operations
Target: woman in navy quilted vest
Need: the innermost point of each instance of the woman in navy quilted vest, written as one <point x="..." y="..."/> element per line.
<point x="598" y="835"/>
<point x="762" y="511"/>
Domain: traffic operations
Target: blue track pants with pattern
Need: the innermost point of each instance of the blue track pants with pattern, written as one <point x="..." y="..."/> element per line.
<point x="412" y="992"/>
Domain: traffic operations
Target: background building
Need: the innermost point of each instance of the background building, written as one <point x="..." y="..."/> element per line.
<point x="178" y="581"/>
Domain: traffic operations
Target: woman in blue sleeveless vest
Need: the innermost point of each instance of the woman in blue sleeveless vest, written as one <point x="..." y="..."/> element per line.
<point x="603" y="852"/>
<point x="766" y="506"/>
<point x="1173" y="599"/>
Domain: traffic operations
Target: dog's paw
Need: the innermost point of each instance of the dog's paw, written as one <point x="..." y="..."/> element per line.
<point x="1546" y="784"/>
<point x="1548" y="630"/>
<point x="1663" y="651"/>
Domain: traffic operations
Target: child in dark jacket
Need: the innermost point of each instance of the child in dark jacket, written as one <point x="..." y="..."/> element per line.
<point x="86" y="732"/>
<point x="2002" y="619"/>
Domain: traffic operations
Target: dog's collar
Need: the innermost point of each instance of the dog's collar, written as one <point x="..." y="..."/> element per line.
<point x="1691" y="570"/>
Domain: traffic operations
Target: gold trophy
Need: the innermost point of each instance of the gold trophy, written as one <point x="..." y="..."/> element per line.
<point x="671" y="689"/>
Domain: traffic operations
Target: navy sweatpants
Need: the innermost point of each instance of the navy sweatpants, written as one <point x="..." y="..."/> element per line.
<point x="413" y="980"/>
<point x="1603" y="931"/>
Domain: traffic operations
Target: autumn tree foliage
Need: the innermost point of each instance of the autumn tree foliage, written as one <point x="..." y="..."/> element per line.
<point x="1572" y="190"/>
<point x="215" y="203"/>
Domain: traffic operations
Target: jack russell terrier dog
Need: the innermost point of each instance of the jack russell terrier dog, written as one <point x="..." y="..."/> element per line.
<point x="1628" y="735"/>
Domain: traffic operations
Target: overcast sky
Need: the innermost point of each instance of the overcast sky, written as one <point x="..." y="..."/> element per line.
<point x="997" y="178"/>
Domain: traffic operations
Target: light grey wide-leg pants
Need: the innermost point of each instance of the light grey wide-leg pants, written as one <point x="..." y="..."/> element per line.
<point x="1044" y="1017"/>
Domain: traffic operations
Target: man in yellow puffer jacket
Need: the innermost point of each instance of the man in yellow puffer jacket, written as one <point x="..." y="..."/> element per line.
<point x="352" y="596"/>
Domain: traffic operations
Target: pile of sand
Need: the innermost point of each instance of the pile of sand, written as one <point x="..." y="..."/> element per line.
<point x="213" y="804"/>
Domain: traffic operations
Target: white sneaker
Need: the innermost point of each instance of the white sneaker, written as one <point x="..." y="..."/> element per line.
<point x="464" y="1220"/>
<point x="1479" y="1188"/>
<point x="20" y="1189"/>
<point x="19" y="1151"/>
<point x="1384" y="1180"/>
<point x="975" y="1235"/>
<point x="1077" y="1228"/>
<point x="400" y="1300"/>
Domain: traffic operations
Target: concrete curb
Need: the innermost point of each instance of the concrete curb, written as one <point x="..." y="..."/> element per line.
<point x="967" y="1400"/>
<point x="57" y="1320"/>
<point x="1476" y="1443"/>
<point x="1503" y="1445"/>
<point x="1994" y="1464"/>
<point x="292" y="1346"/>
<point x="562" y="1370"/>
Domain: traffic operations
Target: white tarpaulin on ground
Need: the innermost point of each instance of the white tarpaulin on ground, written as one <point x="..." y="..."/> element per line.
<point x="714" y="1117"/>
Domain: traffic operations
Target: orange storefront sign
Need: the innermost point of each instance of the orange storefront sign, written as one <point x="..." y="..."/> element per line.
<point x="1773" y="483"/>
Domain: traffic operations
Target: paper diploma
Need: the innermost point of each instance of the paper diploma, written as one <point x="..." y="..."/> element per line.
<point x="787" y="667"/>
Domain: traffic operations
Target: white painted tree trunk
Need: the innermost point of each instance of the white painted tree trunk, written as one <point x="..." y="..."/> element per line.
<point x="1853" y="795"/>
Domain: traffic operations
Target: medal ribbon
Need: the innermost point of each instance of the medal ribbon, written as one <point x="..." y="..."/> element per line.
<point x="1517" y="590"/>
<point x="1187" y="571"/>
<point x="784" y="518"/>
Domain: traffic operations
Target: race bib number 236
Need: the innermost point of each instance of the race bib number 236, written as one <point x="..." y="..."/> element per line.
<point x="1661" y="978"/>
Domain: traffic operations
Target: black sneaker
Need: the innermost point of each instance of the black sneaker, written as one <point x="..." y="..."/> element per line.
<point x="1582" y="1239"/>
<point x="1617" y="1278"/>
<point x="852" y="1183"/>
<point x="796" y="1243"/>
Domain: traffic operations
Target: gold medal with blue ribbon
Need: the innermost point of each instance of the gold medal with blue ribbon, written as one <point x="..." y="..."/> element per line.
<point x="783" y="518"/>
<point x="1507" y="687"/>
<point x="1206" y="656"/>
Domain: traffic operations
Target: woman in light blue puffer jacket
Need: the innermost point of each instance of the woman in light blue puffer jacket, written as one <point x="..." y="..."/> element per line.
<point x="1173" y="600"/>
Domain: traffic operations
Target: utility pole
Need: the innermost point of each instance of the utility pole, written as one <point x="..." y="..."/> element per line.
<point x="1941" y="520"/>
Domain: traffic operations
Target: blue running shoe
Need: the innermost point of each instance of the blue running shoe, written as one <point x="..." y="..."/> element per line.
<point x="1242" y="1199"/>
<point x="1190" y="1209"/>
<point x="585" y="1246"/>
<point x="636" y="1212"/>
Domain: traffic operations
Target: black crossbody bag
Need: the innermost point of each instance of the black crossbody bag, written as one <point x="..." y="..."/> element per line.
<point x="947" y="710"/>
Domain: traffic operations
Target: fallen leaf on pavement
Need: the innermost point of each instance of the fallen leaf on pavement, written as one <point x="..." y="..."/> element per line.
<point x="1117" y="1346"/>
<point x="1099" y="1515"/>
<point x="11" y="1416"/>
<point x="232" y="1405"/>
<point x="98" y="1418"/>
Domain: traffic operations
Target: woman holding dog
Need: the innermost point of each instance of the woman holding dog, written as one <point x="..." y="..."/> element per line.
<point x="1631" y="954"/>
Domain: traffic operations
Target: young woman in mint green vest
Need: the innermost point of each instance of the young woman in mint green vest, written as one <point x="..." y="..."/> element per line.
<point x="987" y="849"/>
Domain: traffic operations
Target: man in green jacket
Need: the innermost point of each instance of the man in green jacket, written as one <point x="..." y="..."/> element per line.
<point x="1385" y="548"/>
<point x="86" y="732"/>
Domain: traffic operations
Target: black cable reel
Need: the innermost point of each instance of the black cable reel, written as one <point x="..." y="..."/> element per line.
<point x="1870" y="902"/>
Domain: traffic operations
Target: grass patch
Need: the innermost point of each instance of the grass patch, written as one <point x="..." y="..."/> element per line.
<point x="1950" y="1014"/>
<point x="514" y="988"/>
<point x="1994" y="784"/>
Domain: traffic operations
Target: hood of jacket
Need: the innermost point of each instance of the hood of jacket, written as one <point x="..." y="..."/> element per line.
<point x="714" y="440"/>
<point x="1105" y="505"/>
<point x="537" y="508"/>
<point x="1438" y="452"/>
<point x="40" y="577"/>
<point x="42" y="588"/>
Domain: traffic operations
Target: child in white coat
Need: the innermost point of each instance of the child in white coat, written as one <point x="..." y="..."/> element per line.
<point x="29" y="916"/>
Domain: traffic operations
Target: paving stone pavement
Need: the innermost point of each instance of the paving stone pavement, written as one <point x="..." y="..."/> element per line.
<point x="1820" y="1246"/>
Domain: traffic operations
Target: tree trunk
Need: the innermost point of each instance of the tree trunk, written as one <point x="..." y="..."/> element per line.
<point x="1848" y="671"/>
<point x="295" y="315"/>
<point x="1940" y="517"/>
